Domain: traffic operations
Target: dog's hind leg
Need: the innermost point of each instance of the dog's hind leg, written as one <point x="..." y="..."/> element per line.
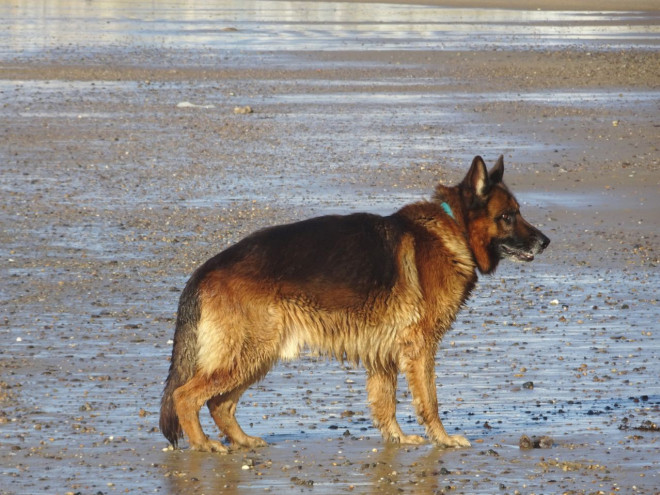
<point x="420" y="372"/>
<point x="381" y="389"/>
<point x="223" y="410"/>
<point x="188" y="400"/>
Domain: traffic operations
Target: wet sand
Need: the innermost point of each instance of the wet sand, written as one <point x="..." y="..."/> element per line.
<point x="124" y="166"/>
<point x="559" y="5"/>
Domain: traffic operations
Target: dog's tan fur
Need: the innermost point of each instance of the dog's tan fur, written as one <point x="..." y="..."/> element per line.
<point x="240" y="314"/>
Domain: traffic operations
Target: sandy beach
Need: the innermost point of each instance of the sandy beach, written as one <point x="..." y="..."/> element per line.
<point x="127" y="160"/>
<point x="555" y="5"/>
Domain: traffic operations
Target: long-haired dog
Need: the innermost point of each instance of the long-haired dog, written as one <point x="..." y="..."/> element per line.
<point x="381" y="290"/>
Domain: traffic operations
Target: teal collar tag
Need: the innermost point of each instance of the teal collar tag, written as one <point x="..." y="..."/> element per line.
<point x="447" y="208"/>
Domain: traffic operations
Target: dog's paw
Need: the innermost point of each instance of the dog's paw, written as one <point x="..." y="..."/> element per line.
<point x="411" y="440"/>
<point x="210" y="446"/>
<point x="459" y="441"/>
<point x="453" y="441"/>
<point x="250" y="443"/>
<point x="400" y="438"/>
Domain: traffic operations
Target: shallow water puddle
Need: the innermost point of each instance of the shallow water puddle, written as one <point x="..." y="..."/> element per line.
<point x="275" y="25"/>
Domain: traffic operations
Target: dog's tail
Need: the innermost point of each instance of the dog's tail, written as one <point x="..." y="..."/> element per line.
<point x="184" y="359"/>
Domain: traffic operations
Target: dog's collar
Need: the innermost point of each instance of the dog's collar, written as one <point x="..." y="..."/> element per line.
<point x="448" y="210"/>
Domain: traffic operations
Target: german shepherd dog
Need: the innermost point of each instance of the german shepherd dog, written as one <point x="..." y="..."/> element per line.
<point x="361" y="287"/>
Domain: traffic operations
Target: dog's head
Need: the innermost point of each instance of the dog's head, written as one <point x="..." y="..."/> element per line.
<point x="495" y="227"/>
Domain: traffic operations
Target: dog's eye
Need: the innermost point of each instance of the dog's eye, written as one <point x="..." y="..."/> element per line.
<point x="507" y="218"/>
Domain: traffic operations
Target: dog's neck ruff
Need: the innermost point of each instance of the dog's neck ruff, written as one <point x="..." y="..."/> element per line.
<point x="448" y="210"/>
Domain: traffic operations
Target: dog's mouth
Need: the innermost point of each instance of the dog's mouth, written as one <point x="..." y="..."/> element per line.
<point x="516" y="253"/>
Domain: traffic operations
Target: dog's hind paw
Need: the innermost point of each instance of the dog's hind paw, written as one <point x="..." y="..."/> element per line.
<point x="453" y="441"/>
<point x="210" y="446"/>
<point x="249" y="443"/>
<point x="400" y="438"/>
<point x="411" y="440"/>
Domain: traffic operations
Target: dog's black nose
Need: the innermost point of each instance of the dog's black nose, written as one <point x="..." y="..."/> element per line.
<point x="544" y="241"/>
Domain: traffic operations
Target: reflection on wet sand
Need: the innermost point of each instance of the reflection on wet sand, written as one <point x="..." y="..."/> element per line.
<point x="30" y="28"/>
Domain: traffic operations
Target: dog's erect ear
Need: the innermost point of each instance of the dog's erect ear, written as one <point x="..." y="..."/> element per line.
<point x="477" y="179"/>
<point x="496" y="173"/>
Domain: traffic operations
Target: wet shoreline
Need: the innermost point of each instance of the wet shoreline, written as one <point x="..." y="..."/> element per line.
<point x="113" y="193"/>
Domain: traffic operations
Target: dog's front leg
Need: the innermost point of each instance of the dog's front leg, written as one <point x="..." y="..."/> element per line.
<point x="381" y="389"/>
<point x="420" y="372"/>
